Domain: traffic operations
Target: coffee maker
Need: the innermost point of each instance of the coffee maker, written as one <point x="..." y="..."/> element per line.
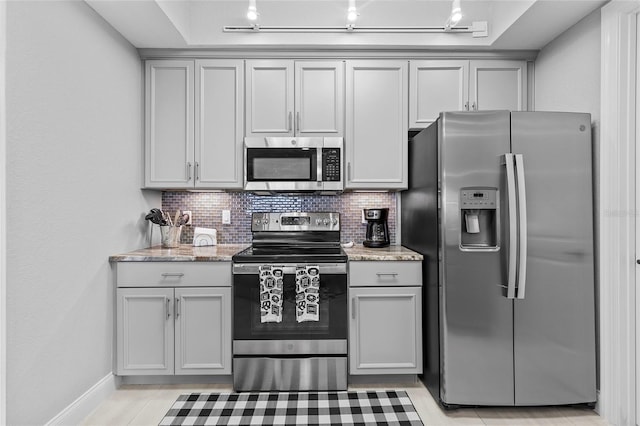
<point x="377" y="228"/>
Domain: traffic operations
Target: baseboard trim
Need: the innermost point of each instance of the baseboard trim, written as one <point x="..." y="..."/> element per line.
<point x="79" y="409"/>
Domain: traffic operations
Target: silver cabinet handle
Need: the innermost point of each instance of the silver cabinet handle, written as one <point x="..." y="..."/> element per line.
<point x="172" y="274"/>
<point x="513" y="222"/>
<point x="353" y="308"/>
<point x="188" y="171"/>
<point x="290" y="115"/>
<point x="389" y="274"/>
<point x="168" y="308"/>
<point x="349" y="170"/>
<point x="297" y="122"/>
<point x="177" y="307"/>
<point x="197" y="171"/>
<point x="522" y="221"/>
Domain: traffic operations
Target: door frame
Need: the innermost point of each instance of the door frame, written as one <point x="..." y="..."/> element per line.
<point x="3" y="211"/>
<point x="617" y="213"/>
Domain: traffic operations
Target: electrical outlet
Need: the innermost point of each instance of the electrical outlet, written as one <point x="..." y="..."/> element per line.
<point x="226" y="217"/>
<point x="188" y="212"/>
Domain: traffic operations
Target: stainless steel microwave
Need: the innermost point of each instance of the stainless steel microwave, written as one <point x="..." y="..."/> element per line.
<point x="293" y="164"/>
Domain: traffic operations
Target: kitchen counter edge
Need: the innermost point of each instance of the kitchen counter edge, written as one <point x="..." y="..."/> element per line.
<point x="184" y="253"/>
<point x="224" y="252"/>
<point x="390" y="253"/>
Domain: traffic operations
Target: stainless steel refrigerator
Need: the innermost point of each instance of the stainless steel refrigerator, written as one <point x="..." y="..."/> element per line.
<point x="500" y="204"/>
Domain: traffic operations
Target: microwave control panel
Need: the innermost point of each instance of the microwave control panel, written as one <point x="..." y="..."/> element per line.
<point x="331" y="164"/>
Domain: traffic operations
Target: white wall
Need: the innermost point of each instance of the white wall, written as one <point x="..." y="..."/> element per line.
<point x="74" y="156"/>
<point x="567" y="70"/>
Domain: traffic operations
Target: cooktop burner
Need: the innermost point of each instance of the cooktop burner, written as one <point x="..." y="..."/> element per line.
<point x="295" y="237"/>
<point x="291" y="254"/>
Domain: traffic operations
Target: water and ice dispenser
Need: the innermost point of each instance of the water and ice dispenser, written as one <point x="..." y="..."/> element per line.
<point x="479" y="218"/>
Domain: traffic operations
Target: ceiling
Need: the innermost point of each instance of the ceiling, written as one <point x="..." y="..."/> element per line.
<point x="184" y="24"/>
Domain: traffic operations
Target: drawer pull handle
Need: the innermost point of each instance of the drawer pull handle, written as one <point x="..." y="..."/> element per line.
<point x="173" y="274"/>
<point x="353" y="308"/>
<point x="387" y="274"/>
<point x="168" y="308"/>
<point x="177" y="307"/>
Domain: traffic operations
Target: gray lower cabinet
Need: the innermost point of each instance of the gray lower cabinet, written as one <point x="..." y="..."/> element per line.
<point x="385" y="330"/>
<point x="172" y="330"/>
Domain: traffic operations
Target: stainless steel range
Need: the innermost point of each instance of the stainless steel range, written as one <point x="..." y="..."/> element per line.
<point x="290" y="305"/>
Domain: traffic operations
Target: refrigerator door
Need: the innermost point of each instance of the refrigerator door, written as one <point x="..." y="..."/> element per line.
<point x="554" y="324"/>
<point x="476" y="319"/>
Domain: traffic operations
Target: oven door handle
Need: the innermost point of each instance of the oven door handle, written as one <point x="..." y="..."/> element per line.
<point x="289" y="268"/>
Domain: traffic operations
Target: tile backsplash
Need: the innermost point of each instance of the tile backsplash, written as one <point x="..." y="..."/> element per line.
<point x="206" y="208"/>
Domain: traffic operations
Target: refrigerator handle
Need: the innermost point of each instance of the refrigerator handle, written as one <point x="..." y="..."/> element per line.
<point x="522" y="221"/>
<point x="513" y="223"/>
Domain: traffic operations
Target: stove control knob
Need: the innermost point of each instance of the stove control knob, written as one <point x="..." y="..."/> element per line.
<point x="318" y="221"/>
<point x="326" y="222"/>
<point x="334" y="221"/>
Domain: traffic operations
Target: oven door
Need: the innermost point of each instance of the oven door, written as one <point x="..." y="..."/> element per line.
<point x="326" y="335"/>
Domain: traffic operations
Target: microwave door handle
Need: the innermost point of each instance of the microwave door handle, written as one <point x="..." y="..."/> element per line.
<point x="319" y="165"/>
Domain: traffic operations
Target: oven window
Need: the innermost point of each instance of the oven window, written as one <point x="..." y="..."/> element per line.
<point x="281" y="164"/>
<point x="332" y="322"/>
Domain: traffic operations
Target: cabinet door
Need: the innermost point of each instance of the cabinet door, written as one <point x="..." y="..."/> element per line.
<point x="203" y="330"/>
<point x="385" y="335"/>
<point x="219" y="126"/>
<point x="497" y="84"/>
<point x="377" y="124"/>
<point x="269" y="87"/>
<point x="319" y="98"/>
<point x="144" y="333"/>
<point x="436" y="86"/>
<point x="169" y="124"/>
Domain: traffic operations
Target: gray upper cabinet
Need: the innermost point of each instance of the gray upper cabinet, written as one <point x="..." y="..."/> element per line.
<point x="219" y="126"/>
<point x="294" y="98"/>
<point x="436" y="86"/>
<point x="194" y="124"/>
<point x="463" y="85"/>
<point x="168" y="124"/>
<point x="377" y="118"/>
<point x="498" y="85"/>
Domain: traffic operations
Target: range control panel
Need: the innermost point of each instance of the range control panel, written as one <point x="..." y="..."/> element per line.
<point x="295" y="221"/>
<point x="478" y="198"/>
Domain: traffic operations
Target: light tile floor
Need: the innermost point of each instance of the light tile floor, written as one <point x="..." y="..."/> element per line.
<point x="147" y="405"/>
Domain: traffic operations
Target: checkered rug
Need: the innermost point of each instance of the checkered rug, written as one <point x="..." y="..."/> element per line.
<point x="293" y="408"/>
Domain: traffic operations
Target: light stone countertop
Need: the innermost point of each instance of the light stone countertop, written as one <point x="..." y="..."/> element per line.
<point x="223" y="252"/>
<point x="360" y="252"/>
<point x="184" y="253"/>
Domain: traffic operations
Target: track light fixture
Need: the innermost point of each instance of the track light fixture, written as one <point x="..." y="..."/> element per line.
<point x="456" y="13"/>
<point x="352" y="12"/>
<point x="252" y="11"/>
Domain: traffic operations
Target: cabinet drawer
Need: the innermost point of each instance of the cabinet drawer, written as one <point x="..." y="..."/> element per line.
<point x="385" y="273"/>
<point x="173" y="274"/>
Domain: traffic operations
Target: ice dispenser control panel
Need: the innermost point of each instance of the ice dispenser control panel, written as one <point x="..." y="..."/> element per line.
<point x="479" y="219"/>
<point x="478" y="198"/>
